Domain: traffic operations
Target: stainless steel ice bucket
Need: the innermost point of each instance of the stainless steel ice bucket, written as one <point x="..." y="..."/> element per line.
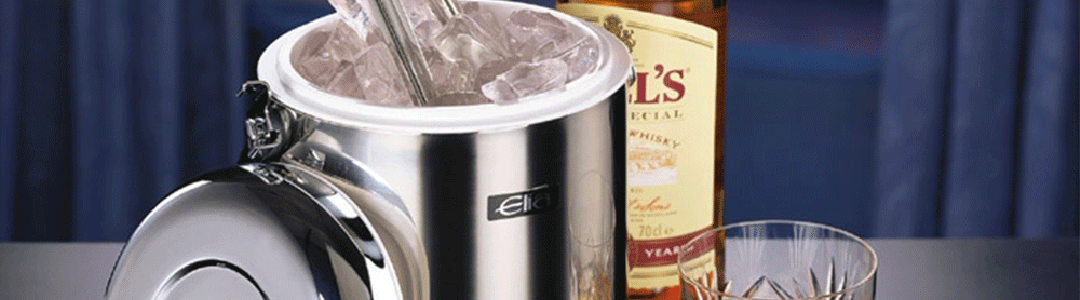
<point x="336" y="199"/>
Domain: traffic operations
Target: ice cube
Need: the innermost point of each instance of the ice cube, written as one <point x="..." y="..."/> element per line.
<point x="581" y="59"/>
<point x="462" y="39"/>
<point x="311" y="61"/>
<point x="425" y="32"/>
<point x="449" y="76"/>
<point x="374" y="37"/>
<point x="418" y="11"/>
<point x="473" y="58"/>
<point x="499" y="91"/>
<point x="527" y="79"/>
<point x="380" y="79"/>
<point x="493" y="27"/>
<point x="538" y="48"/>
<point x="347" y="83"/>
<point x="469" y="43"/>
<point x="325" y="54"/>
<point x="344" y="44"/>
<point x="465" y="47"/>
<point x="489" y="71"/>
<point x="355" y="13"/>
<point x="535" y="35"/>
<point x="469" y="7"/>
<point x="385" y="92"/>
<point x="573" y="39"/>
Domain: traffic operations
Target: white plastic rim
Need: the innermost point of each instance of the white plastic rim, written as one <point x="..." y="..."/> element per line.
<point x="613" y="69"/>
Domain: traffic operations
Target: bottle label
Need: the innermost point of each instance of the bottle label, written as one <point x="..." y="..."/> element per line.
<point x="671" y="117"/>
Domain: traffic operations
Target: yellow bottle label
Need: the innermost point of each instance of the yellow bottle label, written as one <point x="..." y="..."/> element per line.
<point x="671" y="123"/>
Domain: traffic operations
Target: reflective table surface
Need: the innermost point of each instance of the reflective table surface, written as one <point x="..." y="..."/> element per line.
<point x="910" y="269"/>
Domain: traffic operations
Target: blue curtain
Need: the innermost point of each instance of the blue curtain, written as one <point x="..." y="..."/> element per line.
<point x="107" y="105"/>
<point x="978" y="119"/>
<point x="38" y="112"/>
<point x="802" y="85"/>
<point x="9" y="16"/>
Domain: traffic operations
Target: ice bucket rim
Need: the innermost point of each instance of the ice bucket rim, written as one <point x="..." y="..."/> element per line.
<point x="275" y="68"/>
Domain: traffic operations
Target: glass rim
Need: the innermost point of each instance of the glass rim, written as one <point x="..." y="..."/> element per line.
<point x="863" y="281"/>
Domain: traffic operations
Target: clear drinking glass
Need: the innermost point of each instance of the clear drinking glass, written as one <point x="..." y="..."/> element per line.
<point x="777" y="259"/>
<point x="592" y="228"/>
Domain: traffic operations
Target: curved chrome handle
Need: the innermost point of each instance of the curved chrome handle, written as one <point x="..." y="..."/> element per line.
<point x="369" y="208"/>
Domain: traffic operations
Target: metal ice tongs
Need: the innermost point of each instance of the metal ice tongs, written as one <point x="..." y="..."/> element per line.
<point x="389" y="17"/>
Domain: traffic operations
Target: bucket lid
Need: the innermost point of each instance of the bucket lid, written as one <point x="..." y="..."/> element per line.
<point x="613" y="69"/>
<point x="311" y="238"/>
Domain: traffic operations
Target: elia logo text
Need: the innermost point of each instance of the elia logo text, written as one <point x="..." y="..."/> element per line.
<point x="531" y="202"/>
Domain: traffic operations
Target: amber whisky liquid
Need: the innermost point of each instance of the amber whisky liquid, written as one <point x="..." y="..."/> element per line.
<point x="675" y="127"/>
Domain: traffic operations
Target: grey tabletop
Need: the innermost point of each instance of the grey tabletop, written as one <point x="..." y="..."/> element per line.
<point x="910" y="269"/>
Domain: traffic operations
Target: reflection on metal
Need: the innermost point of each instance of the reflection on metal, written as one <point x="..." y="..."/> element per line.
<point x="329" y="203"/>
<point x="281" y="238"/>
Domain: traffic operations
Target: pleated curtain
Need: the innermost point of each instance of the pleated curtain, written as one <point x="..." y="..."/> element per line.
<point x="978" y="119"/>
<point x="107" y="105"/>
<point x="8" y="81"/>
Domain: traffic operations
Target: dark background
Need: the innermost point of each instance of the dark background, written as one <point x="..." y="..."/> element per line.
<point x="898" y="118"/>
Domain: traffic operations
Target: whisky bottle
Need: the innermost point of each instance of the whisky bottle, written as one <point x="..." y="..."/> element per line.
<point x="675" y="131"/>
